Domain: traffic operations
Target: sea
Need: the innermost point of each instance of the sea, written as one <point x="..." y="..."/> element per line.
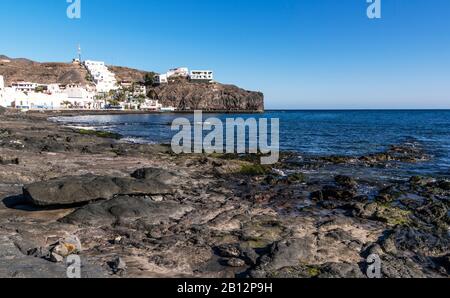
<point x="310" y="133"/>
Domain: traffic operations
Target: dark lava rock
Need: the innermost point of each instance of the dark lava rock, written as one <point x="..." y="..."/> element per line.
<point x="287" y="272"/>
<point x="408" y="152"/>
<point x="118" y="265"/>
<point x="418" y="241"/>
<point x="67" y="191"/>
<point x="4" y="133"/>
<point x="296" y="178"/>
<point x="235" y="262"/>
<point x="433" y="212"/>
<point x="70" y="190"/>
<point x="328" y="270"/>
<point x="337" y="159"/>
<point x="317" y="195"/>
<point x="334" y="193"/>
<point x="420" y="181"/>
<point x="444" y="262"/>
<point x="154" y="174"/>
<point x="9" y="161"/>
<point x="228" y="251"/>
<point x="345" y="181"/>
<point x="287" y="252"/>
<point x="340" y="270"/>
<point x="236" y="251"/>
<point x="388" y="194"/>
<point x="400" y="267"/>
<point x="127" y="208"/>
<point x="445" y="185"/>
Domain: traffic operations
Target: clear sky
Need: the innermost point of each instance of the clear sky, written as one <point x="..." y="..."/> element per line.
<point x="303" y="54"/>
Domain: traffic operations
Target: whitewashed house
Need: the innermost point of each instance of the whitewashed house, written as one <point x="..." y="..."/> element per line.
<point x="151" y="105"/>
<point x="139" y="90"/>
<point x="3" y="101"/>
<point x="80" y="97"/>
<point x="104" y="79"/>
<point x="94" y="64"/>
<point x="126" y="84"/>
<point x="24" y="86"/>
<point x="202" y="75"/>
<point x="36" y="100"/>
<point x="53" y="89"/>
<point x="160" y="79"/>
<point x="178" y="72"/>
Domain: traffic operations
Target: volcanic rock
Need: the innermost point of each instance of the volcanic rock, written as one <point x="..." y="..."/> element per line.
<point x="68" y="191"/>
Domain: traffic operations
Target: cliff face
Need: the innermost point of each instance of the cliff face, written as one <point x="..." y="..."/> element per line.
<point x="185" y="95"/>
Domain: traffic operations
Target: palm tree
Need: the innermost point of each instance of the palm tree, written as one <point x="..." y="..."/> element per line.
<point x="66" y="104"/>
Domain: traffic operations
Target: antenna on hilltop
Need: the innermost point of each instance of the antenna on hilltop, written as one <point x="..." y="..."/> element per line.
<point x="79" y="53"/>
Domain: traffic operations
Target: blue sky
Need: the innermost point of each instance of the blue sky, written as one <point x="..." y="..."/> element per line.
<point x="303" y="54"/>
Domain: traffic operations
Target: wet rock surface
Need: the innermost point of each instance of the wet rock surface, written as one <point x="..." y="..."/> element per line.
<point x="138" y="211"/>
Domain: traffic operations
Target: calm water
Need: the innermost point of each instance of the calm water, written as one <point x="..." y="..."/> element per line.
<point x="351" y="133"/>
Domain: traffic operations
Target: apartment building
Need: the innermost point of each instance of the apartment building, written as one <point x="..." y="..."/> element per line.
<point x="24" y="86"/>
<point x="202" y="75"/>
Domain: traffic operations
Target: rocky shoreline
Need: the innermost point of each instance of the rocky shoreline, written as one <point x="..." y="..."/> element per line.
<point x="132" y="210"/>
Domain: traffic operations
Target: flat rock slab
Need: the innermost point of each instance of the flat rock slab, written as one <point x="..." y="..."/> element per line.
<point x="70" y="191"/>
<point x="14" y="264"/>
<point x="161" y="175"/>
<point x="126" y="208"/>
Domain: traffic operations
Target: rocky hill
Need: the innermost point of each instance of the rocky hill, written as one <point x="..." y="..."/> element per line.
<point x="129" y="74"/>
<point x="21" y="69"/>
<point x="186" y="95"/>
<point x="179" y="93"/>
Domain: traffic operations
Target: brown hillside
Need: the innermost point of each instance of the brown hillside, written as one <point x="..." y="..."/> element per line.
<point x="42" y="73"/>
<point x="20" y="69"/>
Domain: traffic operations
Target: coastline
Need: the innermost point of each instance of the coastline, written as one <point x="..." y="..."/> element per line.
<point x="207" y="215"/>
<point x="69" y="113"/>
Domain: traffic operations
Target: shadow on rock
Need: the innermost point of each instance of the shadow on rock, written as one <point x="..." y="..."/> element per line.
<point x="18" y="202"/>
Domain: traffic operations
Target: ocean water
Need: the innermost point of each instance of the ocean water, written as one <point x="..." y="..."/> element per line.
<point x="321" y="133"/>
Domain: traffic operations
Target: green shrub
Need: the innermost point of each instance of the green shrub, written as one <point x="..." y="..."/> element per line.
<point x="253" y="170"/>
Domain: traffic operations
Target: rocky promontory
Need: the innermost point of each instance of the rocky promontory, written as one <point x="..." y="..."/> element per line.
<point x="186" y="95"/>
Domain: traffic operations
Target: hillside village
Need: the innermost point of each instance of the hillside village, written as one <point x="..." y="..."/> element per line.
<point x="99" y="90"/>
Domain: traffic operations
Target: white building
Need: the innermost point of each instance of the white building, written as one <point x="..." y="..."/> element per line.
<point x="160" y="79"/>
<point x="104" y="79"/>
<point x="126" y="84"/>
<point x="23" y="96"/>
<point x="53" y="89"/>
<point x="94" y="64"/>
<point x="151" y="105"/>
<point x="80" y="97"/>
<point x="38" y="101"/>
<point x="139" y="90"/>
<point x="24" y="86"/>
<point x="202" y="75"/>
<point x="178" y="72"/>
<point x="3" y="102"/>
